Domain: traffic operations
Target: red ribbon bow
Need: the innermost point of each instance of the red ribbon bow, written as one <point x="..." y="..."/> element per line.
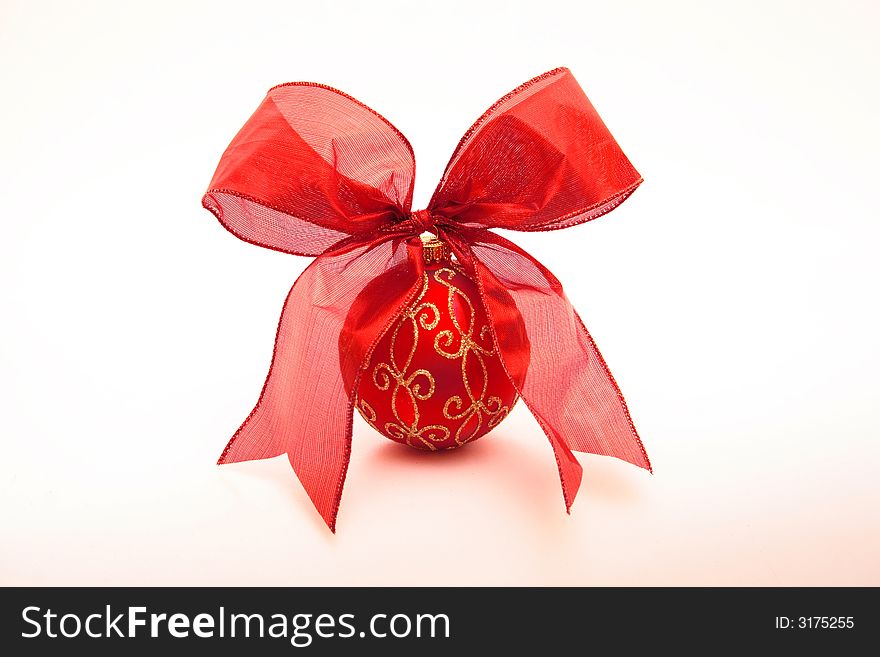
<point x="314" y="172"/>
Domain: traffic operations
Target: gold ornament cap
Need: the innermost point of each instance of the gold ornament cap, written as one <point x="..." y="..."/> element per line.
<point x="434" y="249"/>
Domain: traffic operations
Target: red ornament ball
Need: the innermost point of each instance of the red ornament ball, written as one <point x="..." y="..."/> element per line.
<point x="435" y="380"/>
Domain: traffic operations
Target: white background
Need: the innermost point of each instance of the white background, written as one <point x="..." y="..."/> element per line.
<point x="733" y="296"/>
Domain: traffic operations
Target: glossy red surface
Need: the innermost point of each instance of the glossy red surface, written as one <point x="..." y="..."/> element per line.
<point x="434" y="380"/>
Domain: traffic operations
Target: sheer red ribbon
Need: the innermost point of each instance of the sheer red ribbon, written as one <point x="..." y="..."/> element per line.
<point x="314" y="172"/>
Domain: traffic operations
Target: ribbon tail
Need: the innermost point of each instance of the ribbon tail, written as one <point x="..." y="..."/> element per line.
<point x="562" y="377"/>
<point x="306" y="405"/>
<point x="570" y="470"/>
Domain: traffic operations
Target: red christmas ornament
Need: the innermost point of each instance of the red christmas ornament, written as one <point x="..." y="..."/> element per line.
<point x="434" y="379"/>
<point x="432" y="349"/>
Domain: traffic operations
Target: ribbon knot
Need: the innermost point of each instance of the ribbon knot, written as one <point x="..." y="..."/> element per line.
<point x="315" y="172"/>
<point x="422" y="221"/>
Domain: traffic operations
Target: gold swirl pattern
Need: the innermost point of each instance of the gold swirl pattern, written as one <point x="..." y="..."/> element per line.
<point x="469" y="350"/>
<point x="469" y="414"/>
<point x="368" y="413"/>
<point x="417" y="385"/>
